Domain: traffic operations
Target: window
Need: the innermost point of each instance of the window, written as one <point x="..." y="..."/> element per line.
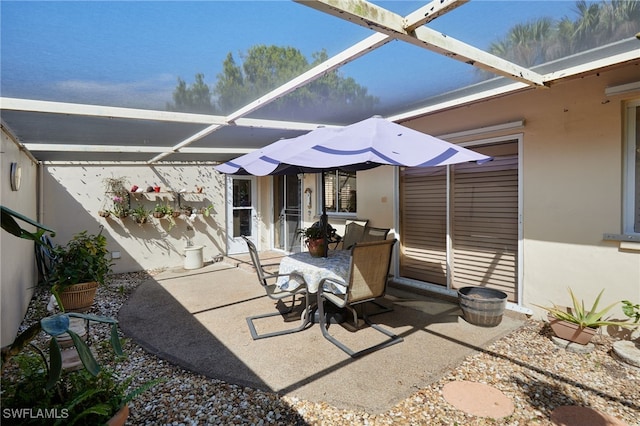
<point x="340" y="192"/>
<point x="632" y="169"/>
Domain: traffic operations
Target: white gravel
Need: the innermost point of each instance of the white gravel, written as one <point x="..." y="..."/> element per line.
<point x="526" y="366"/>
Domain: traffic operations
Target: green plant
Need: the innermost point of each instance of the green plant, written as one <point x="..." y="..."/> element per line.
<point x="9" y="224"/>
<point x="83" y="259"/>
<point x="121" y="206"/>
<point x="631" y="310"/>
<point x="115" y="188"/>
<point x="56" y="325"/>
<point x="584" y="317"/>
<point x="40" y="383"/>
<point x="311" y="233"/>
<point x="78" y="398"/>
<point x="140" y="213"/>
<point x="314" y="232"/>
<point x="206" y="211"/>
<point x="163" y="208"/>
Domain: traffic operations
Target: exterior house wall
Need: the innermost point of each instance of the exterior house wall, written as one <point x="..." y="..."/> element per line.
<point x="376" y="189"/>
<point x="18" y="272"/>
<point x="74" y="193"/>
<point x="572" y="178"/>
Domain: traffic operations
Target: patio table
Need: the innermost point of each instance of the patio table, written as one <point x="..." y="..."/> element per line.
<point x="314" y="269"/>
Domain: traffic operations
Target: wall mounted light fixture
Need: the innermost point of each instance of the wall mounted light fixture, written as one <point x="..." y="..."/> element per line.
<point x="16" y="176"/>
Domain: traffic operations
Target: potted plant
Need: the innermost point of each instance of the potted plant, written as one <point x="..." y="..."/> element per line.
<point x="89" y="396"/>
<point x="79" y="267"/>
<point x="187" y="210"/>
<point x="161" y="210"/>
<point x="140" y="214"/>
<point x="206" y="211"/>
<point x="314" y="240"/>
<point x="116" y="190"/>
<point x="120" y="206"/>
<point x="93" y="395"/>
<point x="577" y="324"/>
<point x="166" y="211"/>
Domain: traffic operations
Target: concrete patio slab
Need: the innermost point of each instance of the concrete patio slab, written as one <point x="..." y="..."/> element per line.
<point x="196" y="319"/>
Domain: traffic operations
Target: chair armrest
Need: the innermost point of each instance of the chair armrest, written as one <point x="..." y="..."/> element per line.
<point x="299" y="279"/>
<point x="329" y="285"/>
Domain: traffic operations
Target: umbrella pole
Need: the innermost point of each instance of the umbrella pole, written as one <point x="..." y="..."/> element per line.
<point x="324" y="221"/>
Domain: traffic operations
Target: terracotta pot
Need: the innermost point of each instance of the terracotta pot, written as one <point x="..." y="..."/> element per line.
<point x="571" y="331"/>
<point x="316" y="247"/>
<point x="120" y="417"/>
<point x="79" y="297"/>
<point x="158" y="215"/>
<point x="104" y="213"/>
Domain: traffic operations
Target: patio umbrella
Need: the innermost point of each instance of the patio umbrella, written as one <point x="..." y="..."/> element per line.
<point x="363" y="145"/>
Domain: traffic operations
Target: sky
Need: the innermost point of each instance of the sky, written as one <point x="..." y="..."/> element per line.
<point x="131" y="53"/>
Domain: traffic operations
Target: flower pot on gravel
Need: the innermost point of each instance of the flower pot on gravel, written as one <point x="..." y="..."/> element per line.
<point x="570" y="331"/>
<point x="79" y="297"/>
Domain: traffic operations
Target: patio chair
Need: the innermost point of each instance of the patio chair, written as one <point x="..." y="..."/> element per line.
<point x="276" y="293"/>
<point x="353" y="233"/>
<point x="374" y="234"/>
<point x="370" y="264"/>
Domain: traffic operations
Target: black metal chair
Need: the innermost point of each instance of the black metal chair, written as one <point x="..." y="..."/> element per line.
<point x="368" y="278"/>
<point x="276" y="293"/>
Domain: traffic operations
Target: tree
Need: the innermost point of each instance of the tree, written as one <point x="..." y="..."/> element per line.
<point x="264" y="68"/>
<point x="196" y="98"/>
<point x="544" y="39"/>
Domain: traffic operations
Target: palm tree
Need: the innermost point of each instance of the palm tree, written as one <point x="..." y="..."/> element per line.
<point x="543" y="40"/>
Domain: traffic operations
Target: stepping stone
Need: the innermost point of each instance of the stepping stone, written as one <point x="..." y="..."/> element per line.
<point x="477" y="399"/>
<point x="573" y="347"/>
<point x="628" y="352"/>
<point x="571" y="415"/>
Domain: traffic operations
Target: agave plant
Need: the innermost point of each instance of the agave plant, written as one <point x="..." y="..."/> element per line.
<point x="585" y="317"/>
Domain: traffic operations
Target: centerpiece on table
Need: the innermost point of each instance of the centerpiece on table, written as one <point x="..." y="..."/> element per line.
<point x="314" y="240"/>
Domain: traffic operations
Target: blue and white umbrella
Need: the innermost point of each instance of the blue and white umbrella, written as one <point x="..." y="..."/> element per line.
<point x="363" y="145"/>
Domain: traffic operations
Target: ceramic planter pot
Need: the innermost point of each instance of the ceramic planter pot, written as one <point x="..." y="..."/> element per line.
<point x="316" y="247"/>
<point x="571" y="331"/>
<point x="120" y="417"/>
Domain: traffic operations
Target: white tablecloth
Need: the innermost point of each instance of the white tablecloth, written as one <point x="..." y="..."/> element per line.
<point x="314" y="269"/>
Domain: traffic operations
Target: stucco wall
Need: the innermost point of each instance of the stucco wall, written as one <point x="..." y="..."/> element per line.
<point x="572" y="185"/>
<point x="17" y="255"/>
<point x="73" y="194"/>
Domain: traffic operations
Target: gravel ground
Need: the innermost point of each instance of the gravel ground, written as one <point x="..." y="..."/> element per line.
<point x="525" y="365"/>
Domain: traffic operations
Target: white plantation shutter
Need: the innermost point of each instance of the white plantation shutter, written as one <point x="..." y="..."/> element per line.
<point x="483" y="222"/>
